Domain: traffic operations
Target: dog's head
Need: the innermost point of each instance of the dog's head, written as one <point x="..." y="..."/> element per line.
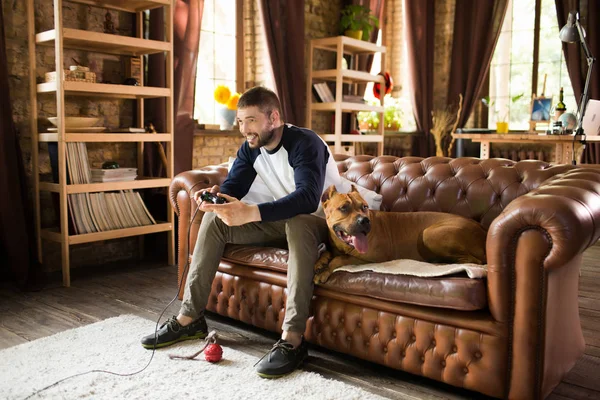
<point x="347" y="214"/>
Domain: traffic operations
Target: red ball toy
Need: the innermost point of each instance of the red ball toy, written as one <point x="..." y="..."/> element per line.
<point x="213" y="353"/>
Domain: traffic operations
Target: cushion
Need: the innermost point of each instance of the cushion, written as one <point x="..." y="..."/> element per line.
<point x="372" y="198"/>
<point x="457" y="291"/>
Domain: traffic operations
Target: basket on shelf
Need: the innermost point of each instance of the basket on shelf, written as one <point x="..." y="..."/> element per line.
<point x="75" y="75"/>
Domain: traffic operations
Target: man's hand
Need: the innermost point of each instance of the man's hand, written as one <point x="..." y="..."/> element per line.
<point x="234" y="212"/>
<point x="214" y="190"/>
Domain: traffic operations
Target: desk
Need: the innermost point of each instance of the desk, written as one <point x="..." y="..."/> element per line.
<point x="563" y="144"/>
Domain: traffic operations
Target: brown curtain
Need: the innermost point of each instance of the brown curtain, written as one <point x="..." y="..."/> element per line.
<point x="575" y="57"/>
<point x="155" y="109"/>
<point x="477" y="27"/>
<point x="187" y="19"/>
<point x="420" y="23"/>
<point x="18" y="258"/>
<point x="284" y="30"/>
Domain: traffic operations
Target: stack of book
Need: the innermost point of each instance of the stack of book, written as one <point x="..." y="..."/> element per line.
<point x="105" y="211"/>
<point x="114" y="175"/>
<point x="78" y="164"/>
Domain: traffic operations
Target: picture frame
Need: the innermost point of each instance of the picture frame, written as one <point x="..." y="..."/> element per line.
<point x="541" y="108"/>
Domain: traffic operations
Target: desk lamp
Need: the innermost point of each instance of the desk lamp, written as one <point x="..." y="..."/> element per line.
<point x="573" y="32"/>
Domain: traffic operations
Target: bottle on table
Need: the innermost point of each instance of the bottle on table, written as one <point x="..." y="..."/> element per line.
<point x="560" y="106"/>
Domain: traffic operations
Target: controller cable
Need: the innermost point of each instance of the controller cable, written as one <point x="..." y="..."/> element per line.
<point x="185" y="269"/>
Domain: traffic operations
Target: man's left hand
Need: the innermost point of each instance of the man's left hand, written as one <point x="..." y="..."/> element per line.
<point x="234" y="212"/>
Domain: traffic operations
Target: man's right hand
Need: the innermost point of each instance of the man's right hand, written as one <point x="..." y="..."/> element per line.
<point x="214" y="190"/>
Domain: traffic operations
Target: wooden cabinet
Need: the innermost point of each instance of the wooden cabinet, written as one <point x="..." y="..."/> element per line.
<point x="61" y="38"/>
<point x="343" y="45"/>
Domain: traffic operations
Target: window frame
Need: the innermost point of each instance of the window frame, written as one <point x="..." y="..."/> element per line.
<point x="484" y="114"/>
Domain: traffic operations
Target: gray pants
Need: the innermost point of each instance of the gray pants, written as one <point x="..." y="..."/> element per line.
<point x="303" y="234"/>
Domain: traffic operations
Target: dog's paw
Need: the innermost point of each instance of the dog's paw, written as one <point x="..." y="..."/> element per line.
<point x="321" y="277"/>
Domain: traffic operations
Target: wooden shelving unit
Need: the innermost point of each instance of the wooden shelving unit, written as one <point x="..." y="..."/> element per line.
<point x="343" y="45"/>
<point x="67" y="38"/>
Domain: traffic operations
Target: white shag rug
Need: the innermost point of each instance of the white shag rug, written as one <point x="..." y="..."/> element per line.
<point x="114" y="345"/>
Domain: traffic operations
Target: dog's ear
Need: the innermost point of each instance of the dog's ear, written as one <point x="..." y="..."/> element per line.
<point x="354" y="189"/>
<point x="331" y="190"/>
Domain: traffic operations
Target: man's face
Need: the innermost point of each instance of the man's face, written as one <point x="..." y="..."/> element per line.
<point x="256" y="126"/>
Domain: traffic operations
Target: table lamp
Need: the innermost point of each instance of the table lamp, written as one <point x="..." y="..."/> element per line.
<point x="573" y="32"/>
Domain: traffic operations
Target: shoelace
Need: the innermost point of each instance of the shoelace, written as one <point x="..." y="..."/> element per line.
<point x="281" y="344"/>
<point x="173" y="324"/>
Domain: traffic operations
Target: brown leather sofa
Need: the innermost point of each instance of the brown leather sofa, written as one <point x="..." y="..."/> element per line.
<point x="515" y="334"/>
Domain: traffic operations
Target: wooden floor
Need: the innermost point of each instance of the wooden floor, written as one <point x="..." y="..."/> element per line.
<point x="145" y="289"/>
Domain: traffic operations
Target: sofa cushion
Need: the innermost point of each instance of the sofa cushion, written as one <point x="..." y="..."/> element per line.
<point x="454" y="291"/>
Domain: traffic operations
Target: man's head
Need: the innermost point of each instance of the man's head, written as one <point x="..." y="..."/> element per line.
<point x="259" y="117"/>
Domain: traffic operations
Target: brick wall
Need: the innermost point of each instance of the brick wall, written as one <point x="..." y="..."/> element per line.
<point x="321" y="21"/>
<point x="215" y="148"/>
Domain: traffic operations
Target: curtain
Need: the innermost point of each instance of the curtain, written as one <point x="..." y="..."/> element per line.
<point x="17" y="239"/>
<point x="420" y="23"/>
<point x="575" y="57"/>
<point x="284" y="30"/>
<point x="477" y="27"/>
<point x="187" y="19"/>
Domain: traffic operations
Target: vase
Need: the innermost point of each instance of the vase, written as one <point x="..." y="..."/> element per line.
<point x="502" y="127"/>
<point x="354" y="34"/>
<point x="226" y="118"/>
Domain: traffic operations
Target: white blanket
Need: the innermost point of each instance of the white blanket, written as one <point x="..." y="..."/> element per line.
<point x="419" y="268"/>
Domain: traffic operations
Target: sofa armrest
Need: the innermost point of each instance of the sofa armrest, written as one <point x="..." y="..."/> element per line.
<point x="181" y="194"/>
<point x="192" y="181"/>
<point x="534" y="252"/>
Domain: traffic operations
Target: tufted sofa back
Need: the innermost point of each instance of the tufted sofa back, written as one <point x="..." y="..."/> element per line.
<point x="471" y="187"/>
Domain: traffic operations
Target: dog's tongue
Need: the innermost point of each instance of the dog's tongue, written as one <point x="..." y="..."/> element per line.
<point x="360" y="242"/>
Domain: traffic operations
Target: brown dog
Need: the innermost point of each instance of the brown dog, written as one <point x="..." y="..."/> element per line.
<point x="359" y="235"/>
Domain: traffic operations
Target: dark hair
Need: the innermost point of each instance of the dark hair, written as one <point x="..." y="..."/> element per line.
<point x="259" y="96"/>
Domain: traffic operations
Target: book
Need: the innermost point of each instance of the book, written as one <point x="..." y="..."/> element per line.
<point x="130" y="129"/>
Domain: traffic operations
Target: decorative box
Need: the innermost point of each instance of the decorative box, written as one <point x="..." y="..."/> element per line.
<point x="75" y="76"/>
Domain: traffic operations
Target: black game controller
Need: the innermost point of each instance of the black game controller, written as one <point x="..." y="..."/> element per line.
<point x="212" y="198"/>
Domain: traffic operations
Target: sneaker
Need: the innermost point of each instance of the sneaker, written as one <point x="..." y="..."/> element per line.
<point x="171" y="332"/>
<point x="282" y="359"/>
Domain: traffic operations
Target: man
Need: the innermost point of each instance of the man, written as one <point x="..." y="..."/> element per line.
<point x="296" y="166"/>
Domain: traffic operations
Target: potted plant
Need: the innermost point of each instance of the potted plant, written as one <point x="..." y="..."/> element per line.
<point x="358" y="22"/>
<point x="227" y="112"/>
<point x="393" y="114"/>
<point x="501" y="119"/>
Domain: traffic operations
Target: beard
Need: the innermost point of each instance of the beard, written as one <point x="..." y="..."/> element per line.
<point x="264" y="137"/>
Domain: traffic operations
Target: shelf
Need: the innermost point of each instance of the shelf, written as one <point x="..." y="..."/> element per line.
<point x="353" y="138"/>
<point x="55" y="236"/>
<point x="107" y="137"/>
<point x="140" y="183"/>
<point x="348" y="76"/>
<point x="103" y="42"/>
<point x="105" y="90"/>
<point x="351" y="46"/>
<point x="346" y="107"/>
<point x="125" y="5"/>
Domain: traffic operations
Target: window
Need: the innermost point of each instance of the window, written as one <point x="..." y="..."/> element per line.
<point x="217" y="57"/>
<point x="516" y="69"/>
